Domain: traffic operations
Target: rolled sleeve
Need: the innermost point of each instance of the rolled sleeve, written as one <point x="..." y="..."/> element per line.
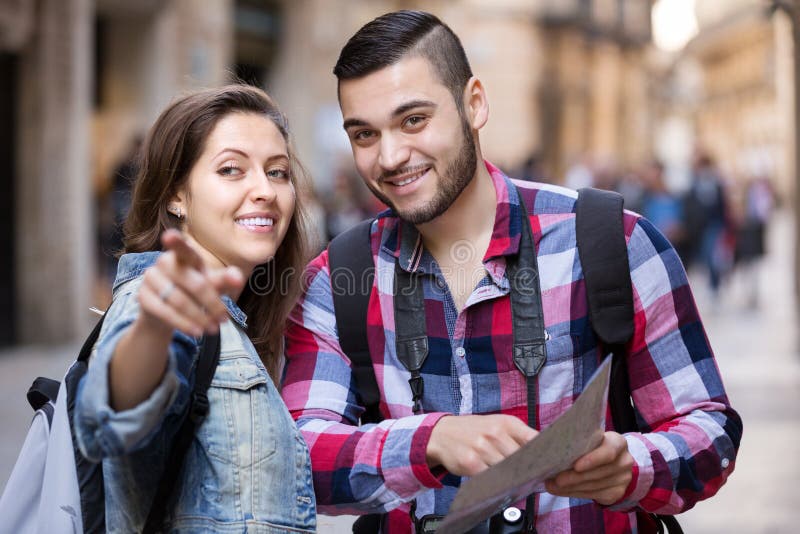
<point x="370" y="468"/>
<point x="690" y="433"/>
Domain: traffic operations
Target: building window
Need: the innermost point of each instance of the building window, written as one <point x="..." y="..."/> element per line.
<point x="257" y="25"/>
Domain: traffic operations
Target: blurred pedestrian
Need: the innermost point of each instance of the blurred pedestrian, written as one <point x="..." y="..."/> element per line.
<point x="759" y="202"/>
<point x="532" y="169"/>
<point x="707" y="220"/>
<point x="119" y="202"/>
<point x="344" y="207"/>
<point x="661" y="207"/>
<point x="580" y="173"/>
<point x="630" y="186"/>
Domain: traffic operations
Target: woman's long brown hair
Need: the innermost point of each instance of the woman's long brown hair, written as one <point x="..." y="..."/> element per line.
<point x="172" y="147"/>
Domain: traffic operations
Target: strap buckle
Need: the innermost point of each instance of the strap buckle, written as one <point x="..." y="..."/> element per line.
<point x="200" y="406"/>
<point x="417" y="390"/>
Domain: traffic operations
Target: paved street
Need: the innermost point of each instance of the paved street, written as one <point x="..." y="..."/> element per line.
<point x="757" y="351"/>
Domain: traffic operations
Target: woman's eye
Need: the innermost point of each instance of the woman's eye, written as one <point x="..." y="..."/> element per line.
<point x="278" y="174"/>
<point x="229" y="170"/>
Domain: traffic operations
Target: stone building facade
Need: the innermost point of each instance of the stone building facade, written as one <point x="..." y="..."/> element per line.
<point x="733" y="83"/>
<point x="564" y="77"/>
<point x="80" y="78"/>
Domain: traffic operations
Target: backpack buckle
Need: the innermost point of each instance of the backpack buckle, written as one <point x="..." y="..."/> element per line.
<point x="417" y="389"/>
<point x="199" y="409"/>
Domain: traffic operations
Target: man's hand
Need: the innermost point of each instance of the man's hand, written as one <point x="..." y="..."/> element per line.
<point x="465" y="445"/>
<point x="601" y="475"/>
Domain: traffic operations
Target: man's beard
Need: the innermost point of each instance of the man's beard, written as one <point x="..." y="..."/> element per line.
<point x="457" y="175"/>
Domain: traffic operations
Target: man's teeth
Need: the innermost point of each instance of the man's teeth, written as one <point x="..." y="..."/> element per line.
<point x="409" y="180"/>
<point x="256" y="221"/>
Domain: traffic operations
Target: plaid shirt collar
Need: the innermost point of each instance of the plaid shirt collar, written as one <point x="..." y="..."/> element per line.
<point x="404" y="242"/>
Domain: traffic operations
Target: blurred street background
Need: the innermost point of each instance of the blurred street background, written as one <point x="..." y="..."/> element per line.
<point x="689" y="108"/>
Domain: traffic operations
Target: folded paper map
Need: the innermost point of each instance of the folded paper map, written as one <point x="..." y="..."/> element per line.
<point x="579" y="430"/>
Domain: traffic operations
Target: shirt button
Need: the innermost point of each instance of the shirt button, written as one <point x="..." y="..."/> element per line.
<point x="460" y="352"/>
<point x="725" y="463"/>
<point x="440" y="283"/>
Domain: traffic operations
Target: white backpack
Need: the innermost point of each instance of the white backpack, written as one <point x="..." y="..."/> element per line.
<point x="42" y="494"/>
<point x="53" y="488"/>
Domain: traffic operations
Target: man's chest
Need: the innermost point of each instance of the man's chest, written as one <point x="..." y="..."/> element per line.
<point x="470" y="366"/>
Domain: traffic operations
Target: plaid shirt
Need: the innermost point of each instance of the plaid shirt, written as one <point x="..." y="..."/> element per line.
<point x="692" y="434"/>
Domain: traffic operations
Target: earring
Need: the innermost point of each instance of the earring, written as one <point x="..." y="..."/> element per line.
<point x="176" y="211"/>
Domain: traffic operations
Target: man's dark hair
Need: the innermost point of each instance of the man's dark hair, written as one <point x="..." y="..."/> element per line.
<point x="393" y="36"/>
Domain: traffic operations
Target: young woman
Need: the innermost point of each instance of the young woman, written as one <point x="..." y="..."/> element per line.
<point x="214" y="242"/>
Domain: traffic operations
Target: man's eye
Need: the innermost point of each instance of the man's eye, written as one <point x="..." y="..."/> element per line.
<point x="415" y="120"/>
<point x="362" y="135"/>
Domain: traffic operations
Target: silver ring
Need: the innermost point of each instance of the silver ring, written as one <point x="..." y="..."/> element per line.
<point x="166" y="292"/>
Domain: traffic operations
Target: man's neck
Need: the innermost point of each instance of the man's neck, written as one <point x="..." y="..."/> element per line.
<point x="470" y="219"/>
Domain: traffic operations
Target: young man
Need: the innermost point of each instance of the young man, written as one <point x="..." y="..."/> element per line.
<point x="412" y="110"/>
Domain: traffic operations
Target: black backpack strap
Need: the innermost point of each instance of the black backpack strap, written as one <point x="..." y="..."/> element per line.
<point x="42" y="391"/>
<point x="352" y="273"/>
<point x="198" y="409"/>
<point x="89" y="474"/>
<point x="604" y="258"/>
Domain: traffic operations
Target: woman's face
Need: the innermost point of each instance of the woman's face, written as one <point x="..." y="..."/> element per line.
<point x="239" y="198"/>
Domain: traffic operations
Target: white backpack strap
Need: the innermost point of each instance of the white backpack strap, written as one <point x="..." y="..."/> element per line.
<point x="60" y="505"/>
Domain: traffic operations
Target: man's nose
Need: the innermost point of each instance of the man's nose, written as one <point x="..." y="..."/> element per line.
<point x="394" y="152"/>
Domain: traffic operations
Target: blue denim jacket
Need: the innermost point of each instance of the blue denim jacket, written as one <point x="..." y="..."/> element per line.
<point x="247" y="469"/>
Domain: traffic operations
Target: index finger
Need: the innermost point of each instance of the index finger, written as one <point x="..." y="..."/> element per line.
<point x="173" y="240"/>
<point x="521" y="432"/>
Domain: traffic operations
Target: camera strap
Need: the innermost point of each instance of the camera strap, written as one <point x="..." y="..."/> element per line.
<point x="529" y="349"/>
<point x="527" y="317"/>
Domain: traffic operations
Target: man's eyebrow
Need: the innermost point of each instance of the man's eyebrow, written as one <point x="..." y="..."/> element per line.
<point x="349" y="123"/>
<point x="413" y="104"/>
<point x="399" y="110"/>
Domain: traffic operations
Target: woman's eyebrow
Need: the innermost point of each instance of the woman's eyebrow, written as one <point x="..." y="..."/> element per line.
<point x="236" y="150"/>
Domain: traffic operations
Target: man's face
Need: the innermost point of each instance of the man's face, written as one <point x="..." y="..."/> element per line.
<point x="411" y="146"/>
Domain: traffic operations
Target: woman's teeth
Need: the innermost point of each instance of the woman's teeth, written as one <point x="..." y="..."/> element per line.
<point x="256" y="221"/>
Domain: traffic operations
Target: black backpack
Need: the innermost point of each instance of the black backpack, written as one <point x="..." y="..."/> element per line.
<point x="43" y="396"/>
<point x="603" y="253"/>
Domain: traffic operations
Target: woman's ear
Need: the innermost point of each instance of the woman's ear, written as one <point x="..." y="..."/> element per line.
<point x="476" y="103"/>
<point x="177" y="205"/>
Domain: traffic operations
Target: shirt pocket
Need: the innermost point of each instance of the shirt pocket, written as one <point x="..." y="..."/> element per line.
<point x="236" y="430"/>
<point x="561" y="348"/>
